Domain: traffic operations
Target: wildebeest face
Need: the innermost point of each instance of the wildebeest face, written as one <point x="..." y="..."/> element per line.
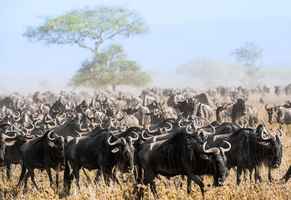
<point x="270" y="112"/>
<point x="218" y="162"/>
<point x="6" y="140"/>
<point x="276" y="148"/>
<point x="220" y="169"/>
<point x="124" y="152"/>
<point x="126" y="162"/>
<point x="57" y="146"/>
<point x="242" y="106"/>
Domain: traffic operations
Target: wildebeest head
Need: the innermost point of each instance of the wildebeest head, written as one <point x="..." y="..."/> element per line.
<point x="56" y="145"/>
<point x="271" y="112"/>
<point x="218" y="161"/>
<point x="123" y="151"/>
<point x="6" y="140"/>
<point x="273" y="146"/>
<point x="57" y="108"/>
<point x="277" y="150"/>
<point x="242" y="105"/>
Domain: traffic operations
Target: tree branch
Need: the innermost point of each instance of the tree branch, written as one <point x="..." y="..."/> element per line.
<point x="80" y="44"/>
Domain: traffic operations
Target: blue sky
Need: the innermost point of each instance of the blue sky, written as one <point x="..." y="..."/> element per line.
<point x="179" y="32"/>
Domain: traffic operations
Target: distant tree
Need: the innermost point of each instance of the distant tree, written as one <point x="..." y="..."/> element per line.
<point x="91" y="29"/>
<point x="110" y="67"/>
<point x="249" y="55"/>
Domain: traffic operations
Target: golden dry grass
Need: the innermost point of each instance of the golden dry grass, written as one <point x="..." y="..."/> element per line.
<point x="166" y="189"/>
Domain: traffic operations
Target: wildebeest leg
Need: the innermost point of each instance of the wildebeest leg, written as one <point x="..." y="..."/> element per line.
<point x="257" y="175"/>
<point x="32" y="178"/>
<point x="238" y="175"/>
<point x="98" y="176"/>
<point x="287" y="175"/>
<point x="154" y="189"/>
<point x="251" y="174"/>
<point x="198" y="181"/>
<point x="48" y="171"/>
<point x="76" y="172"/>
<point x="23" y="170"/>
<point x="189" y="185"/>
<point x="27" y="174"/>
<point x="106" y="178"/>
<point x="8" y="170"/>
<point x="245" y="171"/>
<point x="270" y="174"/>
<point x="115" y="179"/>
<point x="86" y="175"/>
<point x="148" y="179"/>
<point x="57" y="177"/>
<point x="68" y="177"/>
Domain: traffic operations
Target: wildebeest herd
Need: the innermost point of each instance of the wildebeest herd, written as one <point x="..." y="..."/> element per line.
<point x="160" y="132"/>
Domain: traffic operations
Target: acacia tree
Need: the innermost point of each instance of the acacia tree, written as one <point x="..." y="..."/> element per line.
<point x="92" y="29"/>
<point x="110" y="67"/>
<point x="249" y="55"/>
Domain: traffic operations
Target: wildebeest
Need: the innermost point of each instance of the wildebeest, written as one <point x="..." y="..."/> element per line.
<point x="101" y="150"/>
<point x="281" y="114"/>
<point x="45" y="152"/>
<point x="12" y="154"/>
<point x="181" y="154"/>
<point x="250" y="149"/>
<point x="234" y="111"/>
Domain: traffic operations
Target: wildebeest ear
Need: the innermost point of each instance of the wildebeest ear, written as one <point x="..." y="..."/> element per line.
<point x="204" y="156"/>
<point x="51" y="144"/>
<point x="115" y="150"/>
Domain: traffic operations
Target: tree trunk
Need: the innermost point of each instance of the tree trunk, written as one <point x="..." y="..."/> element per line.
<point x="114" y="88"/>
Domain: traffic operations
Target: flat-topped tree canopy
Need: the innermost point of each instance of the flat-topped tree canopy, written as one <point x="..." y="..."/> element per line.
<point x="89" y="28"/>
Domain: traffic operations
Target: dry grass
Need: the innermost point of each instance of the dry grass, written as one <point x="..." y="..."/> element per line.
<point x="166" y="189"/>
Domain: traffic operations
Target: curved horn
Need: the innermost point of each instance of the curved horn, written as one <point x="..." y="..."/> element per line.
<point x="210" y="133"/>
<point x="82" y="129"/>
<point x="145" y="137"/>
<point x="49" y="135"/>
<point x="152" y="131"/>
<point x="214" y="150"/>
<point x="180" y="123"/>
<point x="263" y="136"/>
<point x="113" y="143"/>
<point x="4" y="136"/>
<point x="189" y="129"/>
<point x="226" y="149"/>
<point x="170" y="126"/>
<point x="133" y="139"/>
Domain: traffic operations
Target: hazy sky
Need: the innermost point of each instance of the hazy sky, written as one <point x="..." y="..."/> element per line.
<point x="179" y="31"/>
